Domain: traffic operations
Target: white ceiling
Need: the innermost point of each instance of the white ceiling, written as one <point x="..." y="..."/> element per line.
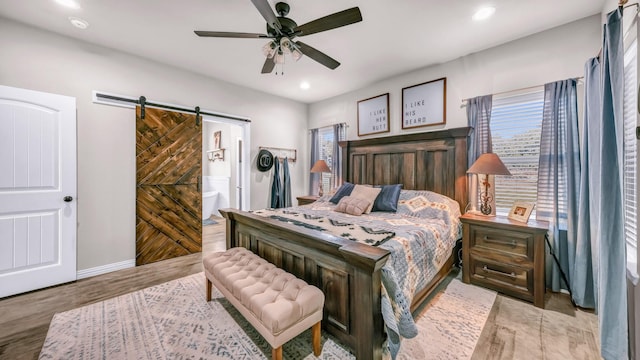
<point x="394" y="37"/>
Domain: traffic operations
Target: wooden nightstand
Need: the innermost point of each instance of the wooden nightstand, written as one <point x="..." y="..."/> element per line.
<point x="505" y="255"/>
<point x="307" y="199"/>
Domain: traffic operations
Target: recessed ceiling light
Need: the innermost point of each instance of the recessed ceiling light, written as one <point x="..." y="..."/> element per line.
<point x="304" y="85"/>
<point x="79" y="23"/>
<point x="484" y="13"/>
<point x="69" y="3"/>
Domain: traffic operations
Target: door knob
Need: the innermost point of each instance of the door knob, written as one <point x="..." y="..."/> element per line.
<point x="67" y="198"/>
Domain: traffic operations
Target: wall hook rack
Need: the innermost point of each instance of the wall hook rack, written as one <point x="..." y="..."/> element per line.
<point x="282" y="153"/>
<point x="217" y="154"/>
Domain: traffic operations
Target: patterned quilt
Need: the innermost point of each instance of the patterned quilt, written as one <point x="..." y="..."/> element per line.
<point x="420" y="237"/>
<point x="347" y="229"/>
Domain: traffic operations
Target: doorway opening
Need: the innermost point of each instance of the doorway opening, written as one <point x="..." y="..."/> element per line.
<point x="225" y="182"/>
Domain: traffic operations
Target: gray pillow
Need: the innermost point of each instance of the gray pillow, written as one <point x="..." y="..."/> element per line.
<point x="344" y="190"/>
<point x="387" y="200"/>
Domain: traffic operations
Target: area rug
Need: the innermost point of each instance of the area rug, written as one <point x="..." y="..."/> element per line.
<point x="206" y="222"/>
<point x="174" y="321"/>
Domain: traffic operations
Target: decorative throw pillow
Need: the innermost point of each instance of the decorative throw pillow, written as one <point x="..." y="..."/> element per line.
<point x="367" y="193"/>
<point x="387" y="200"/>
<point x="352" y="205"/>
<point x="344" y="190"/>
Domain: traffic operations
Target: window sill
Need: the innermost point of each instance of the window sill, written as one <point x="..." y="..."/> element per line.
<point x="632" y="273"/>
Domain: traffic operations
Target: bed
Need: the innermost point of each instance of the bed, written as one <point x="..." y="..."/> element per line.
<point x="350" y="273"/>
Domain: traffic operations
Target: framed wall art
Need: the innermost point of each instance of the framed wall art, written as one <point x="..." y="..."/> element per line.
<point x="373" y="115"/>
<point x="424" y="104"/>
<point x="217" y="138"/>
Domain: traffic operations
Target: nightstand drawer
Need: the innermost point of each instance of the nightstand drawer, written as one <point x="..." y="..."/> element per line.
<point x="502" y="277"/>
<point x="512" y="242"/>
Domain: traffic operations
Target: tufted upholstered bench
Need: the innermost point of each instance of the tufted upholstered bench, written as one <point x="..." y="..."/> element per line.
<point x="277" y="304"/>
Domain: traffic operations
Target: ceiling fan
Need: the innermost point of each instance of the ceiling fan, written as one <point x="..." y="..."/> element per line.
<point x="281" y="31"/>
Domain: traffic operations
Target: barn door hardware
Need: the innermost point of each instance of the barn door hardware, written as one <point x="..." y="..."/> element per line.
<point x="142" y="101"/>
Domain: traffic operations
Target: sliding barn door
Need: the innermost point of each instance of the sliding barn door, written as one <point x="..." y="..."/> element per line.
<point x="168" y="170"/>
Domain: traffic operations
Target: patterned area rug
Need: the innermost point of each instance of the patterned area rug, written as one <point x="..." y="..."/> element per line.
<point x="174" y="321"/>
<point x="206" y="222"/>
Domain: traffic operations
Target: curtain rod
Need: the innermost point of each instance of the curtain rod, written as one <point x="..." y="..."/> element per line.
<point x="322" y="127"/>
<point x="622" y="6"/>
<point x="169" y="107"/>
<point x="577" y="78"/>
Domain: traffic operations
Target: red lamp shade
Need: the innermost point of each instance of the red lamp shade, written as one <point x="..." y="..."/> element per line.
<point x="320" y="167"/>
<point x="489" y="163"/>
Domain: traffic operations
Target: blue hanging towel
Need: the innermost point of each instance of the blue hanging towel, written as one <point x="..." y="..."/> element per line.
<point x="276" y="186"/>
<point x="286" y="189"/>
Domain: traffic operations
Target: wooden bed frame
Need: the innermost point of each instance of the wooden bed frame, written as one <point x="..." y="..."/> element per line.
<point x="347" y="272"/>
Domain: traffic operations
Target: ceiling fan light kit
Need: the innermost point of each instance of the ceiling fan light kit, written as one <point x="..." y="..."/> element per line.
<point x="281" y="31"/>
<point x="269" y="49"/>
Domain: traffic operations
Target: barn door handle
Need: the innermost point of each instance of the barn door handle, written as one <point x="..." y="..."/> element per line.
<point x="67" y="198"/>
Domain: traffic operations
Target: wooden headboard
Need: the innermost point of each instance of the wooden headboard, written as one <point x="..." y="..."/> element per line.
<point x="435" y="161"/>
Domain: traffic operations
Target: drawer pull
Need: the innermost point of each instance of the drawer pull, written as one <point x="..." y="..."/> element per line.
<point x="491" y="271"/>
<point x="511" y="243"/>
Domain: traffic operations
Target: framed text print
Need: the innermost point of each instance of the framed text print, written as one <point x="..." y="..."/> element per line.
<point x="373" y="115"/>
<point x="424" y="104"/>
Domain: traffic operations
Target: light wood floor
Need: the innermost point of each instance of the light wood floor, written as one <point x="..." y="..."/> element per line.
<point x="514" y="330"/>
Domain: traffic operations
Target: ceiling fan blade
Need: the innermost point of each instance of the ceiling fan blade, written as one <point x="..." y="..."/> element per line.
<point x="268" y="66"/>
<point x="317" y="55"/>
<point x="225" y="34"/>
<point x="342" y="18"/>
<point x="265" y="10"/>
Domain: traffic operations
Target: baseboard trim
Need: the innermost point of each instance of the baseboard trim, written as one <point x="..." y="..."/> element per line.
<point x="99" y="270"/>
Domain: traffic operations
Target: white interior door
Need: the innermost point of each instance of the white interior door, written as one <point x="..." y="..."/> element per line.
<point x="37" y="190"/>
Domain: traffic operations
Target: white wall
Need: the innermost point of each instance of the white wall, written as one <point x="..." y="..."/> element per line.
<point x="556" y="54"/>
<point x="34" y="59"/>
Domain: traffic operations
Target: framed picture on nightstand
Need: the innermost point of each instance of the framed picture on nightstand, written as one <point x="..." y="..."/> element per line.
<point x="521" y="210"/>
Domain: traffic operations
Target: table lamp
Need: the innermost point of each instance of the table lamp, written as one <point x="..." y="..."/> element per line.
<point x="320" y="167"/>
<point x="488" y="164"/>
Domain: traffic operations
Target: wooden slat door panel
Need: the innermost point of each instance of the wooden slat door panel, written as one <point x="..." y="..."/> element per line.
<point x="168" y="200"/>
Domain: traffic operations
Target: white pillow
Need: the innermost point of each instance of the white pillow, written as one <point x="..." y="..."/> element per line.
<point x="352" y="205"/>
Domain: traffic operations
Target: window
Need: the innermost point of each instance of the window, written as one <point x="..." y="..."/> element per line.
<point x="325" y="136"/>
<point x="516" y="124"/>
<point x="326" y="141"/>
<point x="630" y="152"/>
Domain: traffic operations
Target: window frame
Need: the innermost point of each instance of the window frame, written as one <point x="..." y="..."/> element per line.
<point x="632" y="249"/>
<point x="526" y="98"/>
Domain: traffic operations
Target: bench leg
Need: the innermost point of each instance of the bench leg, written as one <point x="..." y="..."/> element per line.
<point x="209" y="285"/>
<point x="315" y="338"/>
<point x="276" y="354"/>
